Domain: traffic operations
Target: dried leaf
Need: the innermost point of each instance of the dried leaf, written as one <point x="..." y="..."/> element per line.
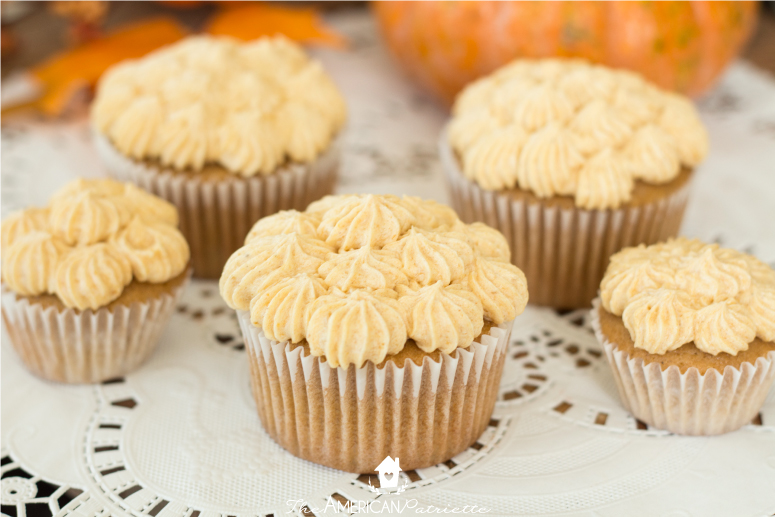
<point x="65" y="73"/>
<point x="251" y="21"/>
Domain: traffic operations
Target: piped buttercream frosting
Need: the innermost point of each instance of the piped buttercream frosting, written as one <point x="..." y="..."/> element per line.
<point x="684" y="291"/>
<point x="90" y="242"/>
<point x="359" y="275"/>
<point x="249" y="107"/>
<point x="569" y="128"/>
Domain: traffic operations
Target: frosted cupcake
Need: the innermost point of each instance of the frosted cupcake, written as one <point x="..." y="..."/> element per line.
<point x="227" y="131"/>
<point x="689" y="330"/>
<point x="90" y="280"/>
<point x="571" y="162"/>
<point x="375" y="326"/>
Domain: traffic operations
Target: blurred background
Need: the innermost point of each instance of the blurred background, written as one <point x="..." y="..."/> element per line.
<point x="53" y="52"/>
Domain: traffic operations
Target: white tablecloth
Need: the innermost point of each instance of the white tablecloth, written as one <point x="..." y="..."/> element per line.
<point x="182" y="437"/>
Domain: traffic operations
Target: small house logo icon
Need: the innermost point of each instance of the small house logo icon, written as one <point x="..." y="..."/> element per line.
<point x="388" y="472"/>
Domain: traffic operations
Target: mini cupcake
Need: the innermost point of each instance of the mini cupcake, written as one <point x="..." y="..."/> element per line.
<point x="375" y="326"/>
<point x="571" y="162"/>
<point x="689" y="330"/>
<point x="227" y="131"/>
<point x="90" y="280"/>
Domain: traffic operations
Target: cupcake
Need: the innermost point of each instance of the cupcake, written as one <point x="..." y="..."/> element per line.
<point x="571" y="162"/>
<point x="689" y="330"/>
<point x="375" y="326"/>
<point x="89" y="281"/>
<point x="227" y="131"/>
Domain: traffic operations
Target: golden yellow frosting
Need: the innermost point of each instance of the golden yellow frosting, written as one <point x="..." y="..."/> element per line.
<point x="249" y="107"/>
<point x="500" y="286"/>
<point x="365" y="220"/>
<point x="570" y="128"/>
<point x="93" y="238"/>
<point x="428" y="257"/>
<point x="353" y="328"/>
<point x="443" y="317"/>
<point x="30" y="264"/>
<point x="683" y="291"/>
<point x="148" y="207"/>
<point x="365" y="267"/>
<point x="86" y="218"/>
<point x="321" y="206"/>
<point x="157" y="251"/>
<point x="21" y="223"/>
<point x="429" y="215"/>
<point x="100" y="187"/>
<point x="281" y="309"/>
<point x="92" y="276"/>
<point x="661" y="319"/>
<point x="603" y="179"/>
<point x="724" y="327"/>
<point x="762" y="306"/>
<point x="265" y="260"/>
<point x="285" y="222"/>
<point x="358" y="275"/>
<point x="488" y="242"/>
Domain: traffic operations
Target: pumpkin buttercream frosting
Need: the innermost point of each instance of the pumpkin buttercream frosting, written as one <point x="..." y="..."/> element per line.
<point x="570" y="128"/>
<point x="684" y="291"/>
<point x="248" y="107"/>
<point x="93" y="239"/>
<point x="356" y="276"/>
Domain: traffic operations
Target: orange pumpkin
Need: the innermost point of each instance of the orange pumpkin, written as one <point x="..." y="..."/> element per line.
<point x="683" y="46"/>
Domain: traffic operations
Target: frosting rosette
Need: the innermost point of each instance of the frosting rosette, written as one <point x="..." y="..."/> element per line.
<point x="580" y="130"/>
<point x="684" y="291"/>
<point x="94" y="238"/>
<point x="249" y="107"/>
<point x="357" y="276"/>
<point x="30" y="263"/>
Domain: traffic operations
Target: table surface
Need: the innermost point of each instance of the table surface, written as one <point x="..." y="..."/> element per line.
<point x="181" y="437"/>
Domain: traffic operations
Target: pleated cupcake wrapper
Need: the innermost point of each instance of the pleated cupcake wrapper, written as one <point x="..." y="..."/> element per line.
<point x="86" y="347"/>
<point x="351" y="419"/>
<point x="215" y="216"/>
<point x="563" y="252"/>
<point x="688" y="403"/>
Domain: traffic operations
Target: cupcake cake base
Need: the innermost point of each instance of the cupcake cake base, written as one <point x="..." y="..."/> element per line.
<point x="682" y="391"/>
<point x="62" y="344"/>
<point x="351" y="419"/>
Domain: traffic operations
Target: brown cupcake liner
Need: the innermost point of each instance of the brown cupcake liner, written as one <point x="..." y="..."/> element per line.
<point x="86" y="346"/>
<point x="563" y="252"/>
<point x="351" y="419"/>
<point x="688" y="403"/>
<point x="215" y="216"/>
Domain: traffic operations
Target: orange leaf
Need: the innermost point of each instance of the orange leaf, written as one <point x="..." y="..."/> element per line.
<point x="252" y="21"/>
<point x="67" y="72"/>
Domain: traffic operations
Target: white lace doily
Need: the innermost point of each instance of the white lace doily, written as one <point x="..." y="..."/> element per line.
<point x="181" y="437"/>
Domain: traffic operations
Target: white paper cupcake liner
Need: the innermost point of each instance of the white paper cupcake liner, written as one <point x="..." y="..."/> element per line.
<point x="563" y="252"/>
<point x="215" y="216"/>
<point x="86" y="346"/>
<point x="351" y="419"/>
<point x="688" y="403"/>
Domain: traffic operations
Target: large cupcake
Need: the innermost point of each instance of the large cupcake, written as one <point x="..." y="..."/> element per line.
<point x="571" y="162"/>
<point x="90" y="280"/>
<point x="228" y="132"/>
<point x="375" y="326"/>
<point x="689" y="330"/>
